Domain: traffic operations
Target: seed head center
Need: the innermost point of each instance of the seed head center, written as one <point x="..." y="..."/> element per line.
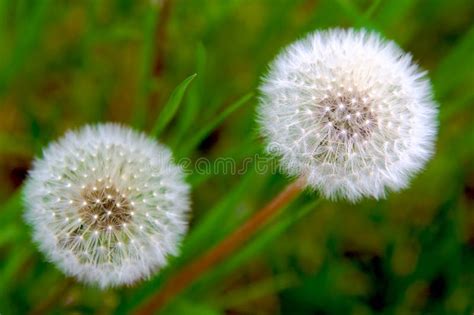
<point x="104" y="207"/>
<point x="348" y="114"/>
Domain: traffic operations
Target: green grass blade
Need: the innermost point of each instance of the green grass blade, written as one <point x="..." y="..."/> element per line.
<point x="27" y="40"/>
<point x="201" y="135"/>
<point x="359" y="18"/>
<point x="370" y="11"/>
<point x="190" y="109"/>
<point x="456" y="69"/>
<point x="170" y="108"/>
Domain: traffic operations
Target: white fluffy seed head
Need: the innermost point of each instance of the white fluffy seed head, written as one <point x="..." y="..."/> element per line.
<point x="350" y="111"/>
<point x="87" y="220"/>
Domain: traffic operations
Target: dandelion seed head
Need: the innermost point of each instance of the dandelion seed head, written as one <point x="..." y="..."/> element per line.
<point x="350" y="111"/>
<point x="86" y="224"/>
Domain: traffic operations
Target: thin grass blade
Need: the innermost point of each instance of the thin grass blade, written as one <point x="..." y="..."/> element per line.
<point x="201" y="135"/>
<point x="171" y="107"/>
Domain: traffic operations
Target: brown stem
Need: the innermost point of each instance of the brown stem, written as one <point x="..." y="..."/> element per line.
<point x="198" y="267"/>
<point x="160" y="45"/>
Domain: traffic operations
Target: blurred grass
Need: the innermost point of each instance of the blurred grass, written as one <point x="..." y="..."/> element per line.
<point x="64" y="64"/>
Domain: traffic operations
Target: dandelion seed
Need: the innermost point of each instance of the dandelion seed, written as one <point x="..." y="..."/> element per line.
<point x="99" y="212"/>
<point x="371" y="104"/>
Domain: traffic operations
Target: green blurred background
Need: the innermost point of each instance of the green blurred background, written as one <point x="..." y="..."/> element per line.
<point x="67" y="63"/>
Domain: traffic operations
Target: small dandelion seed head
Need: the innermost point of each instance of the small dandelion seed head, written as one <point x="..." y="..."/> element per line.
<point x="373" y="120"/>
<point x="98" y="210"/>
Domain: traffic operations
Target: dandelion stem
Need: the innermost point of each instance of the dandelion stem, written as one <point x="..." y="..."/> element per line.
<point x="197" y="268"/>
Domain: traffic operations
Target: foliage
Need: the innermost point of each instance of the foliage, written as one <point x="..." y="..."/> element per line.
<point x="67" y="63"/>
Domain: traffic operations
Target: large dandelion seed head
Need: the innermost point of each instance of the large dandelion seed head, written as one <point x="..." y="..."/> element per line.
<point x="107" y="204"/>
<point x="350" y="112"/>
